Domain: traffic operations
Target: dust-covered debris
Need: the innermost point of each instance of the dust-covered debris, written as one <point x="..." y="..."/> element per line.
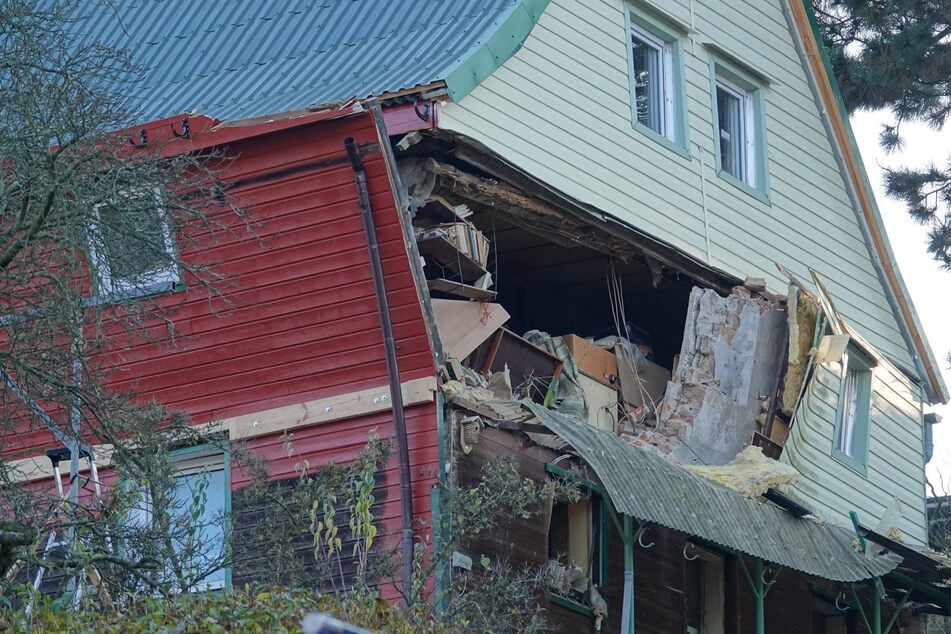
<point x="750" y="473"/>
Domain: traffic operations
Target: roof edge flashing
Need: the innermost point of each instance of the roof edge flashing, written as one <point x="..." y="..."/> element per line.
<point x="497" y="47"/>
<point x="866" y="207"/>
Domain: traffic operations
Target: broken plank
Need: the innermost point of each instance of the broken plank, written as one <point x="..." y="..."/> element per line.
<point x="533" y="428"/>
<point x="460" y="289"/>
<point x="463" y="326"/>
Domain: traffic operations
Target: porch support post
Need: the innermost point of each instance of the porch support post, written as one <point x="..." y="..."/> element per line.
<point x="759" y="586"/>
<point x="878" y="592"/>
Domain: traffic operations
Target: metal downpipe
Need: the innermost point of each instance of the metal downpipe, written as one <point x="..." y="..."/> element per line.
<point x="627" y="605"/>
<point x="389" y="348"/>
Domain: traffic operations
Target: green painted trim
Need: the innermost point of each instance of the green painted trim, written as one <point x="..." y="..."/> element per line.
<point x="442" y="578"/>
<point x="919" y="356"/>
<point x="628" y="539"/>
<point x="830" y="597"/>
<point x="567" y="475"/>
<point x="898" y="610"/>
<point x="498" y="47"/>
<point x="673" y="36"/>
<point x="942" y="598"/>
<point x="602" y="545"/>
<point x="571" y="605"/>
<point x="752" y="82"/>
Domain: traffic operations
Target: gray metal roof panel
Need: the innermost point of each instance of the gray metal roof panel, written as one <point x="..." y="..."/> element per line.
<point x="648" y="487"/>
<point x="233" y="59"/>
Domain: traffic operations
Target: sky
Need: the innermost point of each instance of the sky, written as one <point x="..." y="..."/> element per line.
<point x="928" y="285"/>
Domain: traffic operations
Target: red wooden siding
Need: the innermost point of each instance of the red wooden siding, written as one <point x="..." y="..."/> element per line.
<point x="303" y="319"/>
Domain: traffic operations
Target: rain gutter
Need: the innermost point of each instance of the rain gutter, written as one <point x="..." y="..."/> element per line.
<point x="392" y="369"/>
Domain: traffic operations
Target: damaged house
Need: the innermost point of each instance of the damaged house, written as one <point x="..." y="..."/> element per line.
<point x="627" y="243"/>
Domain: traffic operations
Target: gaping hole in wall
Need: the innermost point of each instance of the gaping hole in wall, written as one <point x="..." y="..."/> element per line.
<point x="590" y="321"/>
<point x="565" y="288"/>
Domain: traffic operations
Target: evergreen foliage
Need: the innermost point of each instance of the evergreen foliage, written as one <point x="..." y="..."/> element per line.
<point x="896" y="55"/>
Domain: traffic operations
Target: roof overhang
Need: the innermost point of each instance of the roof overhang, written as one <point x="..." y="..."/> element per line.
<point x="651" y="489"/>
<point x="803" y="24"/>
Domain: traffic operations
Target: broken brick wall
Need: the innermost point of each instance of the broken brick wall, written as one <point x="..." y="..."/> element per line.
<point x="732" y="348"/>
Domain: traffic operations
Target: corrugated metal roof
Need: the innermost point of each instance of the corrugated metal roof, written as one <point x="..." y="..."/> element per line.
<point x="645" y="486"/>
<point x="233" y="59"/>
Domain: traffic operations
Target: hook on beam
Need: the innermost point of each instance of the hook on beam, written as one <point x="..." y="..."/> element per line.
<point x="143" y="139"/>
<point x="185" y="133"/>
<point x="640" y="539"/>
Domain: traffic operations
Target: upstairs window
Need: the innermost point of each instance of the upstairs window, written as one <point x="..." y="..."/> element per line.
<point x="737" y="135"/>
<point x="850" y="442"/>
<point x="739" y="131"/>
<point x="653" y="81"/>
<point x="131" y="246"/>
<point x="656" y="84"/>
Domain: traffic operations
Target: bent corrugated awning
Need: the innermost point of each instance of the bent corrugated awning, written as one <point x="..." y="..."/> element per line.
<point x="651" y="489"/>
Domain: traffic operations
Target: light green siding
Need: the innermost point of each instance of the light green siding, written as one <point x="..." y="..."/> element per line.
<point x="895" y="467"/>
<point x="560" y="109"/>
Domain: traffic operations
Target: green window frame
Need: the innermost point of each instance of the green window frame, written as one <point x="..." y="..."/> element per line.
<point x="739" y="127"/>
<point x="597" y="515"/>
<point x="853" y="414"/>
<point x="656" y="79"/>
<point x="202" y="495"/>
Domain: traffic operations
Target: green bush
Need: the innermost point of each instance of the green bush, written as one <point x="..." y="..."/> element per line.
<point x="264" y="610"/>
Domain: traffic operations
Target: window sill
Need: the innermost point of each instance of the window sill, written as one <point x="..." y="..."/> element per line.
<point x="570" y="605"/>
<point x="850" y="462"/>
<point x="656" y="137"/>
<point x="123" y="295"/>
<point x="748" y="189"/>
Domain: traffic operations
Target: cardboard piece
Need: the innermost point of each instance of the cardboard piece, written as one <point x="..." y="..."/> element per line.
<point x="591" y="360"/>
<point x="463" y="325"/>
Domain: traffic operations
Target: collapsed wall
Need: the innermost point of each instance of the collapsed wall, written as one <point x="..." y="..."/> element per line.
<point x="730" y="358"/>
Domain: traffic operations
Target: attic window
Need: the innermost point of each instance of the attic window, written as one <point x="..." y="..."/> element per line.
<point x="131" y="247"/>
<point x="734" y="121"/>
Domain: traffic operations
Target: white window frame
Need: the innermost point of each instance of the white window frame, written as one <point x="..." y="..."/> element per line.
<point x="742" y="82"/>
<point x="659" y="34"/>
<point x="665" y="82"/>
<point x="155" y="281"/>
<point x="747" y="146"/>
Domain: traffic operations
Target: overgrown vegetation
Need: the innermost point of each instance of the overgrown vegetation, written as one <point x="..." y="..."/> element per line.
<point x="265" y="611"/>
<point x="344" y="558"/>
<point x="89" y="221"/>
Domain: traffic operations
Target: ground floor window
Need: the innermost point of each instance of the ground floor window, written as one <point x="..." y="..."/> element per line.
<point x="195" y="520"/>
<point x="704" y="591"/>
